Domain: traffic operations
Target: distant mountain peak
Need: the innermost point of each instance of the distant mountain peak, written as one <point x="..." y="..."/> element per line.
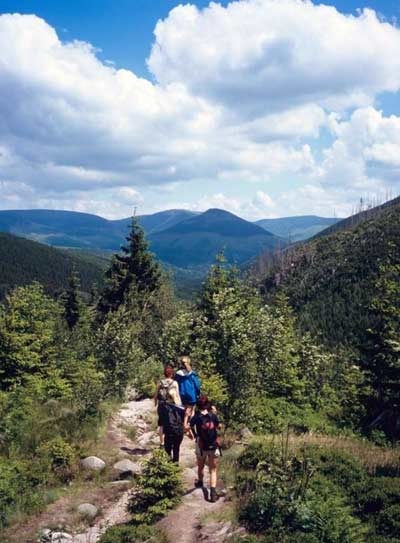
<point x="219" y="222"/>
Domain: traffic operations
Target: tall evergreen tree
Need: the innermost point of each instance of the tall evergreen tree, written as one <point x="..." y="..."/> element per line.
<point x="73" y="303"/>
<point x="381" y="354"/>
<point x="134" y="269"/>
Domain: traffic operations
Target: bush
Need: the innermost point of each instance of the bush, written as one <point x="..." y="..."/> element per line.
<point x="327" y="515"/>
<point x="132" y="534"/>
<point x="158" y="489"/>
<point x="16" y="490"/>
<point x="274" y="415"/>
<point x="147" y="374"/>
<point x="378" y="494"/>
<point x="339" y="467"/>
<point x="60" y="456"/>
<point x="388" y="521"/>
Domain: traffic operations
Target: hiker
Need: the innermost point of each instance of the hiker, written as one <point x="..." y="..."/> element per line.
<point x="167" y="391"/>
<point x="189" y="389"/>
<point x="204" y="426"/>
<point x="171" y="418"/>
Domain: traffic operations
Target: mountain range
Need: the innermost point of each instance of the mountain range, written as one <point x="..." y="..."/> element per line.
<point x="178" y="237"/>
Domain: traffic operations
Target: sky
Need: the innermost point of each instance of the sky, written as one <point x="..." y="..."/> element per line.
<point x="265" y="108"/>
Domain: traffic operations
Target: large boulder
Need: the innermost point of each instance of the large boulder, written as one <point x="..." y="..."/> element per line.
<point x="87" y="510"/>
<point x="126" y="468"/>
<point x="48" y="536"/>
<point x="92" y="463"/>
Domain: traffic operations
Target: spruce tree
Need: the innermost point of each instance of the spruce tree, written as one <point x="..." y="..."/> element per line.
<point x="73" y="303"/>
<point x="381" y="354"/>
<point x="133" y="271"/>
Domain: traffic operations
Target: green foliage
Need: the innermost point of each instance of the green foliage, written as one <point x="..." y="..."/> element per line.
<point x="24" y="261"/>
<point x="136" y="268"/>
<point x="381" y="354"/>
<point x="158" y="489"/>
<point x="282" y="492"/>
<point x="27" y="333"/>
<point x="72" y="301"/>
<point x="127" y="533"/>
<point x="147" y="374"/>
<point x="331" y="280"/>
<point x="388" y="522"/>
<point x="60" y="456"/>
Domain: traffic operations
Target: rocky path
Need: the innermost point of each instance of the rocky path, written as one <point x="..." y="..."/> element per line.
<point x="182" y="525"/>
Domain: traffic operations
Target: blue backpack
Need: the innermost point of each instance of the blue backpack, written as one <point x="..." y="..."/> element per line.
<point x="189" y="387"/>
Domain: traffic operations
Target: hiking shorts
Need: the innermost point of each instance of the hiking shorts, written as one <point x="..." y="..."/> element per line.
<point x="215" y="453"/>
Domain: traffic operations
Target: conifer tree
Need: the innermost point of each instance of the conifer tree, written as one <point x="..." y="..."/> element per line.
<point x="381" y="354"/>
<point x="73" y="303"/>
<point x="132" y="270"/>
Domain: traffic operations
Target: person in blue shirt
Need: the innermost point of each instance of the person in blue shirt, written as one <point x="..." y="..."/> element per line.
<point x="189" y="389"/>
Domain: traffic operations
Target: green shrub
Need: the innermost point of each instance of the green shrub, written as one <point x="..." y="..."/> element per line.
<point x="274" y="415"/>
<point x="132" y="534"/>
<point x="16" y="490"/>
<point x="326" y="514"/>
<point x="147" y="374"/>
<point x="388" y="521"/>
<point x="158" y="489"/>
<point x="60" y="456"/>
<point x="339" y="467"/>
<point x="378" y="494"/>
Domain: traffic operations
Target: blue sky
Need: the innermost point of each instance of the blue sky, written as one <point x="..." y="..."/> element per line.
<point x="263" y="107"/>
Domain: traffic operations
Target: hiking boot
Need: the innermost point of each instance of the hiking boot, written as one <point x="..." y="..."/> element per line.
<point x="198" y="484"/>
<point x="213" y="495"/>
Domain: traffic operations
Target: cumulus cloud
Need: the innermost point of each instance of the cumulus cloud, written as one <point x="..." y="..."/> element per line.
<point x="365" y="153"/>
<point x="258" y="55"/>
<point x="240" y="94"/>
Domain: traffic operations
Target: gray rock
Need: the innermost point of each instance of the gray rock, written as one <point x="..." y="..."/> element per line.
<point x="60" y="537"/>
<point x="126" y="468"/>
<point x="88" y="510"/>
<point x="48" y="536"/>
<point x="245" y="433"/>
<point x="93" y="463"/>
<point x="132" y="394"/>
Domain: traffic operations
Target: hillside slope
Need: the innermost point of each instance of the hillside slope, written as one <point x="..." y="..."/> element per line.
<point x="23" y="261"/>
<point x="62" y="228"/>
<point x="196" y="241"/>
<point x="330" y="280"/>
<point x="296" y="228"/>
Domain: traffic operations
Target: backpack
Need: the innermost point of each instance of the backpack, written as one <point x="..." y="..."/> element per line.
<point x="207" y="433"/>
<point x="173" y="420"/>
<point x="163" y="392"/>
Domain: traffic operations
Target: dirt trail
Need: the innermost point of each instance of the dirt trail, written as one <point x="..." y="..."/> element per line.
<point x="180" y="526"/>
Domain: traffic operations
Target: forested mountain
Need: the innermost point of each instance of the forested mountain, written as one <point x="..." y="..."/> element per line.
<point x="195" y="241"/>
<point x="23" y="261"/>
<point x="357" y="218"/>
<point x="332" y="279"/>
<point x="177" y="237"/>
<point x="296" y="228"/>
<point x="63" y="228"/>
<point x="157" y="222"/>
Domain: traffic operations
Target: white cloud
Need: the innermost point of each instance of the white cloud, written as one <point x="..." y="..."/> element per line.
<point x="365" y="155"/>
<point x="241" y="95"/>
<point x="259" y="55"/>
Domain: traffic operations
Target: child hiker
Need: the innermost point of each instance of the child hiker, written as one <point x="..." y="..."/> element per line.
<point x="171" y="418"/>
<point x="167" y="391"/>
<point x="204" y="426"/>
<point x="189" y="389"/>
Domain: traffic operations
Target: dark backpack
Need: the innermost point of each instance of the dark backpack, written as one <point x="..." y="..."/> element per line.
<point x="207" y="433"/>
<point x="172" y="420"/>
<point x="163" y="392"/>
